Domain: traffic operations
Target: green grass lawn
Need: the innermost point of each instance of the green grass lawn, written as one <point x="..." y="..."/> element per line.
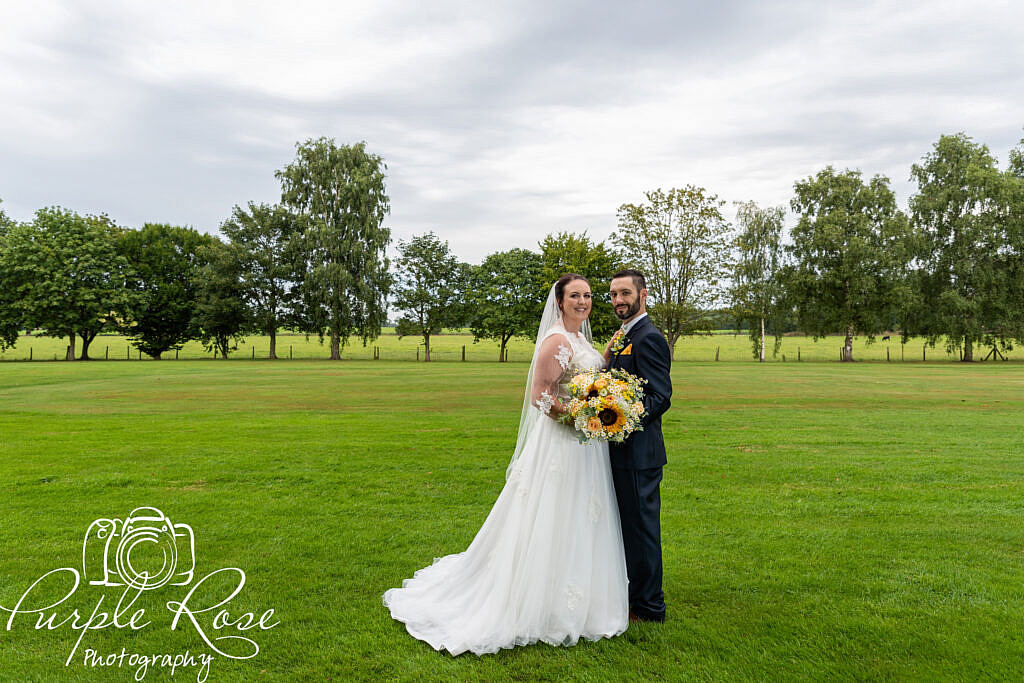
<point x="448" y="347"/>
<point x="819" y="520"/>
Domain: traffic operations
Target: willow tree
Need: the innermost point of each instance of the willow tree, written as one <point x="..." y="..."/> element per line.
<point x="681" y="243"/>
<point x="340" y="196"/>
<point x="850" y="255"/>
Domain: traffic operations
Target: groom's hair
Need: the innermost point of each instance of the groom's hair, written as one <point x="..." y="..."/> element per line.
<point x="639" y="281"/>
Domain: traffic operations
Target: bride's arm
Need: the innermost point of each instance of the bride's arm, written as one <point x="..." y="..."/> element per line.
<point x="552" y="359"/>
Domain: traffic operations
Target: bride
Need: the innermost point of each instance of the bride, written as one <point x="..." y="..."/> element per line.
<point x="547" y="565"/>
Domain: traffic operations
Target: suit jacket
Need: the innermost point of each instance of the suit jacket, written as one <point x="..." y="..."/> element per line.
<point x="649" y="358"/>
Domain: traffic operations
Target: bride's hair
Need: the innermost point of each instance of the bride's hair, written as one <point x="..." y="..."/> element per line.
<point x="563" y="281"/>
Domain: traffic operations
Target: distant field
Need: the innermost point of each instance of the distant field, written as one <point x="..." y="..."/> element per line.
<point x="448" y="347"/>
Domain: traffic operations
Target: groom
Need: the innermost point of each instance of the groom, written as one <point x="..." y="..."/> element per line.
<point x="637" y="463"/>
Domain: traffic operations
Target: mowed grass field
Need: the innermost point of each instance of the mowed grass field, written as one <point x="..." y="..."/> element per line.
<point x="820" y="520"/>
<point x="448" y="347"/>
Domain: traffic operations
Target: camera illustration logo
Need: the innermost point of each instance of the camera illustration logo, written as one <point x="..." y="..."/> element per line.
<point x="144" y="551"/>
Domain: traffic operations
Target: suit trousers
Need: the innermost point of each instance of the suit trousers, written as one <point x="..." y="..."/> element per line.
<point x="639" y="498"/>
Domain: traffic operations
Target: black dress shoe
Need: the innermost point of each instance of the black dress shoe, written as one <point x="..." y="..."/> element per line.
<point x="636" y="618"/>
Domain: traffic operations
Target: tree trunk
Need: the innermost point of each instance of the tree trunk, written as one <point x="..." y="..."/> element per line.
<point x="426" y="348"/>
<point x="968" y="350"/>
<point x="71" y="346"/>
<point x="501" y="350"/>
<point x="762" y="340"/>
<point x="672" y="346"/>
<point x="848" y="346"/>
<point x="335" y="346"/>
<point x="156" y="355"/>
<point x="273" y="343"/>
<point x="87" y="338"/>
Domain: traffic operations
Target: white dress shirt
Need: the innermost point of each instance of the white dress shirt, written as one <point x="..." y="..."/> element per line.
<point x="626" y="327"/>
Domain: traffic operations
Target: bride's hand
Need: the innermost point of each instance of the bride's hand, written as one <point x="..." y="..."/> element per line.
<point x="611" y="342"/>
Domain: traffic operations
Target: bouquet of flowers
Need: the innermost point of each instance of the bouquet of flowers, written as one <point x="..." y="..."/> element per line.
<point x="605" y="404"/>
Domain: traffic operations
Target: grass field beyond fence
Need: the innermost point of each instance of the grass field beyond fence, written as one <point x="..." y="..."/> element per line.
<point x="819" y="521"/>
<point x="448" y="347"/>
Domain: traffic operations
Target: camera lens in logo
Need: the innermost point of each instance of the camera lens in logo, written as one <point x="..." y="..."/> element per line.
<point x="147" y="556"/>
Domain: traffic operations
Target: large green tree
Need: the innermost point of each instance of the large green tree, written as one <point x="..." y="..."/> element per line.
<point x="756" y="284"/>
<point x="65" y="275"/>
<point x="1015" y="238"/>
<point x="266" y="238"/>
<point x="164" y="260"/>
<point x="5" y="222"/>
<point x="850" y="255"/>
<point x="341" y="195"/>
<point x="221" y="316"/>
<point x="430" y="288"/>
<point x="505" y="297"/>
<point x="9" y="316"/>
<point x="962" y="214"/>
<point x="682" y="244"/>
<point x="566" y="252"/>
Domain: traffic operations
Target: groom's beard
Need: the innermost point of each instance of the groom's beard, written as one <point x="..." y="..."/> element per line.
<point x="628" y="312"/>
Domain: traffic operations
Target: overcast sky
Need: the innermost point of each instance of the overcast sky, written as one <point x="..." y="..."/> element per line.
<point x="499" y="122"/>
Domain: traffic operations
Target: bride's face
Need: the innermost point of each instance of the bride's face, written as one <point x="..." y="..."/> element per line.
<point x="576" y="301"/>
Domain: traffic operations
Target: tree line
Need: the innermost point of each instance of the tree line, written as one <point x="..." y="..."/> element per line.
<point x="950" y="269"/>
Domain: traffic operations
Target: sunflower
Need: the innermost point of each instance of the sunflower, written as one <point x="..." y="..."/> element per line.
<point x="612" y="419"/>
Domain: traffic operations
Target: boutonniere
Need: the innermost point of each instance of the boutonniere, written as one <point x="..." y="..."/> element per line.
<point x="619" y="343"/>
<point x="627" y="351"/>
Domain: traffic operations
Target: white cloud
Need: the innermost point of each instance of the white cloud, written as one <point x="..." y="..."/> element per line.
<point x="499" y="122"/>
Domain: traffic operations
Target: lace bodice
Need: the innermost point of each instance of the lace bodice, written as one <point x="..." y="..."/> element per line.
<point x="562" y="355"/>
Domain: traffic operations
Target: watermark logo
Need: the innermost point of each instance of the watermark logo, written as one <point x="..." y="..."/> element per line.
<point x="143" y="552"/>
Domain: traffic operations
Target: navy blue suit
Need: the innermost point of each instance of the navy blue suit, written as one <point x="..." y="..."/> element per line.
<point x="636" y="469"/>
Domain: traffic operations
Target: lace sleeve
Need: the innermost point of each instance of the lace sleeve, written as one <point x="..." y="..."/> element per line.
<point x="552" y="360"/>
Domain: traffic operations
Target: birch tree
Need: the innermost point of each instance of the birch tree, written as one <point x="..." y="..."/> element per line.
<point x="340" y="193"/>
<point x="756" y="287"/>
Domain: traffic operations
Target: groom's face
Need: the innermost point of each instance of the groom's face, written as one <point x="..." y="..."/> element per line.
<point x="627" y="300"/>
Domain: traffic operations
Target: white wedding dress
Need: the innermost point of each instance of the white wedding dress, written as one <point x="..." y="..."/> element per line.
<point x="547" y="565"/>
